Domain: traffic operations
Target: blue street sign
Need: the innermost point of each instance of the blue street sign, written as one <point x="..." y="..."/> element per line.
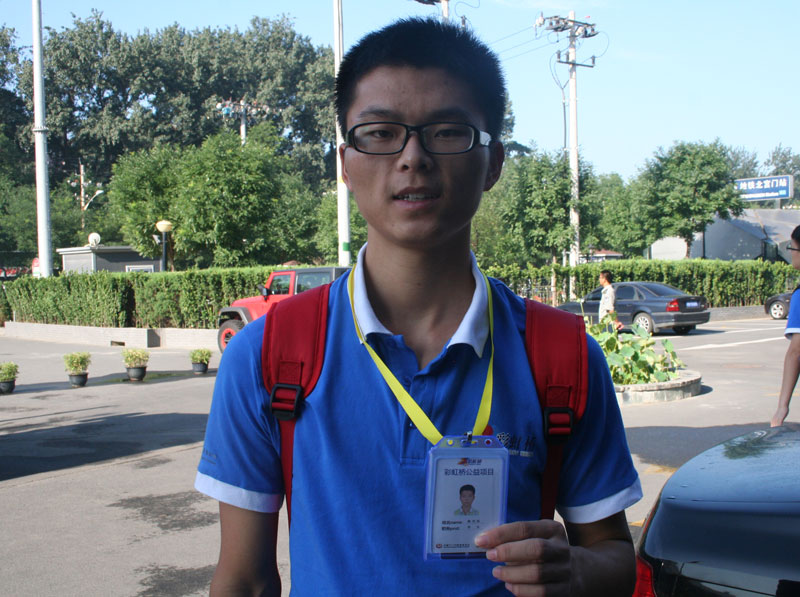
<point x="765" y="187"/>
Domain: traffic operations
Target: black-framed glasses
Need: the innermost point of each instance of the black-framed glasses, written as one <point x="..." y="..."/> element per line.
<point x="387" y="138"/>
<point x="792" y="249"/>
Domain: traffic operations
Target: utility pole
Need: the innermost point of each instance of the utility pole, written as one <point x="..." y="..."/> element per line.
<point x="342" y="193"/>
<point x="445" y="7"/>
<point x="243" y="111"/>
<point x="577" y="30"/>
<point x="40" y="143"/>
<point x="82" y="183"/>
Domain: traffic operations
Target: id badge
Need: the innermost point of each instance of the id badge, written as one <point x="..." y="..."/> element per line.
<point x="466" y="494"/>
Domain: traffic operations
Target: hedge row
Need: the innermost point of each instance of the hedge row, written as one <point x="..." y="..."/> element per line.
<point x="723" y="283"/>
<point x="193" y="298"/>
<point x="188" y="299"/>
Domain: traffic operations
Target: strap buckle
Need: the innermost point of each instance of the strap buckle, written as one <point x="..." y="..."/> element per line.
<point x="558" y="422"/>
<point x="285" y="409"/>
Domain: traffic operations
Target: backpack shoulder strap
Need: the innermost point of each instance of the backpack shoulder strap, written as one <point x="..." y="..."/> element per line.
<point x="291" y="363"/>
<point x="557" y="352"/>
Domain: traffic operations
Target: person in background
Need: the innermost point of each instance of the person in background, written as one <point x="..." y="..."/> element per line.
<point x="791" y="362"/>
<point x="608" y="299"/>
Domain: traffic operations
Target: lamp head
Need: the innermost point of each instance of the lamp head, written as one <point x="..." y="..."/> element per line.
<point x="164" y="225"/>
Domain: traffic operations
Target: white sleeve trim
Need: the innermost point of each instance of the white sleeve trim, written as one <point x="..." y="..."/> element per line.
<point x="789" y="331"/>
<point x="603" y="508"/>
<point x="236" y="496"/>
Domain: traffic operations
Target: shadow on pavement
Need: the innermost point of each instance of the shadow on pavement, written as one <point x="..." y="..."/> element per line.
<point x="152" y="377"/>
<point x="28" y="449"/>
<point x="673" y="446"/>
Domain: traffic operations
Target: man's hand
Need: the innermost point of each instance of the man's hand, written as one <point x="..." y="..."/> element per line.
<point x="536" y="554"/>
<point x="543" y="559"/>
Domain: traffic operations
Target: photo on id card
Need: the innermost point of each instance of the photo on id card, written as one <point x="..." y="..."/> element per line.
<point x="466" y="494"/>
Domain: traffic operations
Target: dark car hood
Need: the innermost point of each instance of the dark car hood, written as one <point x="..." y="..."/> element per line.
<point x="734" y="507"/>
<point x="754" y="468"/>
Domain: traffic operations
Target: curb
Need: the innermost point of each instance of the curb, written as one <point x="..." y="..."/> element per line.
<point x="130" y="337"/>
<point x="687" y="385"/>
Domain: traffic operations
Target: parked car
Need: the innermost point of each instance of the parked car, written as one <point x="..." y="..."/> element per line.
<point x="777" y="306"/>
<point x="281" y="285"/>
<point x="727" y="522"/>
<point x="652" y="305"/>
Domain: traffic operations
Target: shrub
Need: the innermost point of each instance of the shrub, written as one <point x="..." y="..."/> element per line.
<point x="8" y="371"/>
<point x="77" y="363"/>
<point x="200" y="355"/>
<point x="631" y="357"/>
<point x="135" y="357"/>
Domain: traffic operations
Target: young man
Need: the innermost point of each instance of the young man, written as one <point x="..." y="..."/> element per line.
<point x="422" y="105"/>
<point x="608" y="299"/>
<point x="791" y="362"/>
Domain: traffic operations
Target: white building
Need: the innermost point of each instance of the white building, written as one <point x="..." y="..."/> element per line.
<point x="757" y="233"/>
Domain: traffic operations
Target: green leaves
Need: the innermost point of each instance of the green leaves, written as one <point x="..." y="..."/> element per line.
<point x="632" y="358"/>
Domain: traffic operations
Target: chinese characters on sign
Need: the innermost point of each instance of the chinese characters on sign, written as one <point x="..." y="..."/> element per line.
<point x="765" y="188"/>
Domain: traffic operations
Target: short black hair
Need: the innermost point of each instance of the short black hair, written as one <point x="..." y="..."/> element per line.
<point x="796" y="235"/>
<point x="466" y="488"/>
<point x="607" y="275"/>
<point x="426" y="43"/>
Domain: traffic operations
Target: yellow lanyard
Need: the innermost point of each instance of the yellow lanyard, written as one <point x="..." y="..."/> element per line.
<point x="413" y="410"/>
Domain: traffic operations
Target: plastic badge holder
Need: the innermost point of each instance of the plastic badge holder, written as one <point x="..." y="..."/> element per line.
<point x="466" y="493"/>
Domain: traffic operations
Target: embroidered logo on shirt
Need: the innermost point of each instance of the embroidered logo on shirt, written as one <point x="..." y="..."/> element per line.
<point x="515" y="445"/>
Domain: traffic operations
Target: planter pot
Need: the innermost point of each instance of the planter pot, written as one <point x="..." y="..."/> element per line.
<point x="6" y="387"/>
<point x="199" y="368"/>
<point x="136" y="373"/>
<point x="78" y="380"/>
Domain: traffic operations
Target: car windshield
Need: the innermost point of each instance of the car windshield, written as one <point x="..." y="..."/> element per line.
<point x="660" y="289"/>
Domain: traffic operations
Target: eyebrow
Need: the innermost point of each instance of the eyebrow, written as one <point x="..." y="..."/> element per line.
<point x="444" y="114"/>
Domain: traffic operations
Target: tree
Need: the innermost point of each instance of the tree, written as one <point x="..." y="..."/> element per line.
<point x="782" y="161"/>
<point x="230" y="205"/>
<point x="686" y="186"/>
<point x="743" y="163"/>
<point x="109" y="94"/>
<point x="628" y="223"/>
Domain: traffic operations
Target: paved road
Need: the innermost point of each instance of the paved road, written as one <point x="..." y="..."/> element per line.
<point x="96" y="483"/>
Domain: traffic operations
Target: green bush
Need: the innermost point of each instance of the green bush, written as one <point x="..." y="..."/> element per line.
<point x="8" y="371"/>
<point x="77" y="363"/>
<point x="135" y="357"/>
<point x="631" y="357"/>
<point x="192" y="299"/>
<point x="200" y="355"/>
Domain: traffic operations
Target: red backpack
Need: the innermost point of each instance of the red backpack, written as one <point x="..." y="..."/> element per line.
<point x="294" y="349"/>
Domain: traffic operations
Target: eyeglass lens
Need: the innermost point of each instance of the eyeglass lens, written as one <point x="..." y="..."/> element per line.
<point x="389" y="137"/>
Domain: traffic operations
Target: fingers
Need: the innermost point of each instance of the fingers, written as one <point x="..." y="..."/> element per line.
<point x="519" y="531"/>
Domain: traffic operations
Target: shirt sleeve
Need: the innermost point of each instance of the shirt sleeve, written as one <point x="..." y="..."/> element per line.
<point x="793" y="320"/>
<point x="240" y="464"/>
<point x="597" y="478"/>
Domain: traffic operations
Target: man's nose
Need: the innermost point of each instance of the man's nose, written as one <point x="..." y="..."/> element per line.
<point x="414" y="154"/>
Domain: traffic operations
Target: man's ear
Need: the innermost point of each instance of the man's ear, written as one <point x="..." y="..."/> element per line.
<point x="345" y="176"/>
<point x="497" y="155"/>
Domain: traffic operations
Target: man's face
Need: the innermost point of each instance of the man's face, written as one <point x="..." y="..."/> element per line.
<point x="414" y="199"/>
<point x="467" y="497"/>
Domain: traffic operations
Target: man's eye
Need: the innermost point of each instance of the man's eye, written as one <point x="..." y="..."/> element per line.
<point x="378" y="134"/>
<point x="451" y="133"/>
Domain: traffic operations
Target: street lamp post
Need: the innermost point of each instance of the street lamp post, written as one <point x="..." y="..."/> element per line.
<point x="164" y="226"/>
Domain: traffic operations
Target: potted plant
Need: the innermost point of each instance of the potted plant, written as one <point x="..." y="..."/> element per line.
<point x="200" y="358"/>
<point x="77" y="366"/>
<point x="8" y="377"/>
<point x="135" y="360"/>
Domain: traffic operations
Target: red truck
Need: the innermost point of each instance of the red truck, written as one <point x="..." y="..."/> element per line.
<point x="281" y="285"/>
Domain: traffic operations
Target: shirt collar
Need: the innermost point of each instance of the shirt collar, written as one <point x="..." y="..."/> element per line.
<point x="473" y="329"/>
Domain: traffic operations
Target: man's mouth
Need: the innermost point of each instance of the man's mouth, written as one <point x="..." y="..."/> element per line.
<point x="413" y="197"/>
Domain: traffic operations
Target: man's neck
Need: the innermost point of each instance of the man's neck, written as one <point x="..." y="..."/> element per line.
<point x="422" y="295"/>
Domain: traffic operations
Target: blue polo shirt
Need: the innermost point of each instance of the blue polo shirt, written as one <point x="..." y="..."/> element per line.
<point x="358" y="490"/>
<point x="793" y="319"/>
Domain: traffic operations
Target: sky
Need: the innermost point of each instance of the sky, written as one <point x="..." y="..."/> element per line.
<point x="682" y="70"/>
